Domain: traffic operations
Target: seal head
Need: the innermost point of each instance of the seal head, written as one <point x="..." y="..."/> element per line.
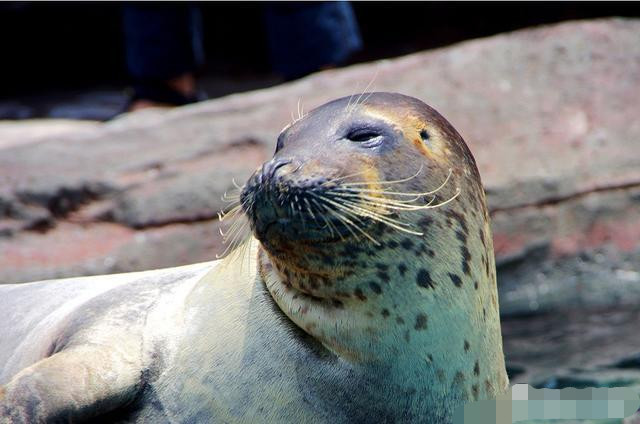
<point x="375" y="240"/>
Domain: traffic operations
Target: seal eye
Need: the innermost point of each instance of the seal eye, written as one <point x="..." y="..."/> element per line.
<point x="363" y="136"/>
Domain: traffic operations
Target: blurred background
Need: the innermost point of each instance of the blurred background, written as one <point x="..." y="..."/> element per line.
<point x="547" y="96"/>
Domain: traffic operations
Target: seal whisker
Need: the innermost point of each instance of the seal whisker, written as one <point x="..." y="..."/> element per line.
<point x="398" y="225"/>
<point x="355" y="105"/>
<point x="346" y="221"/>
<point x="384" y="204"/>
<point x="402" y="180"/>
<point x="227" y="197"/>
<point x="396" y="193"/>
<point x="230" y="213"/>
<point x="237" y="213"/>
<point x="236" y="239"/>
<point x="404" y="207"/>
<point x="351" y="97"/>
<point x="328" y="223"/>
<point x="336" y="179"/>
<point x="310" y="209"/>
<point x="236" y="185"/>
<point x="356" y="207"/>
<point x="236" y="229"/>
<point x="377" y="200"/>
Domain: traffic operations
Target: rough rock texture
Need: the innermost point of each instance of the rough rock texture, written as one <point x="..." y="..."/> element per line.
<point x="551" y="115"/>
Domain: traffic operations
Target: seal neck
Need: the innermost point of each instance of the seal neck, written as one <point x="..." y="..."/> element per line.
<point x="402" y="315"/>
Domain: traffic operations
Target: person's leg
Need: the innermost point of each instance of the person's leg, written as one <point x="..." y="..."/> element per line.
<point x="163" y="44"/>
<point x="306" y="37"/>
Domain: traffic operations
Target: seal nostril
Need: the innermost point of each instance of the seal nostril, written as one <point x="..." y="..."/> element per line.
<point x="270" y="168"/>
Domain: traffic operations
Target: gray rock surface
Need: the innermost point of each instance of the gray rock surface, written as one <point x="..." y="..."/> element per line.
<point x="550" y="114"/>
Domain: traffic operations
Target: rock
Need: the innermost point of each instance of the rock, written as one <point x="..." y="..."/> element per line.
<point x="550" y="114"/>
<point x="632" y="361"/>
<point x="567" y="342"/>
<point x="590" y="378"/>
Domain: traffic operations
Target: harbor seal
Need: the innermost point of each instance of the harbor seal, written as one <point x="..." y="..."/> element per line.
<point x="369" y="295"/>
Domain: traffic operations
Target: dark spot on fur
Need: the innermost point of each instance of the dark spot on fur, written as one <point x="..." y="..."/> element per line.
<point x="458" y="378"/>
<point x="392" y="244"/>
<point x="425" y="222"/>
<point x="359" y="294"/>
<point x="482" y="238"/>
<point x="456" y="280"/>
<point x="399" y="320"/>
<point x="352" y="249"/>
<point x="407" y="244"/>
<point x="461" y="236"/>
<point x="314" y="284"/>
<point x="337" y="303"/>
<point x="451" y="214"/>
<point x="486" y="268"/>
<point x="474" y="391"/>
<point x="342" y="294"/>
<point x="380" y="246"/>
<point x="476" y="368"/>
<point x="385" y="313"/>
<point x="382" y="266"/>
<point x="375" y="287"/>
<point x="383" y="276"/>
<point x="466" y="346"/>
<point x="475" y="285"/>
<point x="328" y="260"/>
<point x="423" y="279"/>
<point x="466" y="258"/>
<point x="402" y="268"/>
<point x="431" y="253"/>
<point x="484" y="314"/>
<point x="488" y="386"/>
<point x="421" y="322"/>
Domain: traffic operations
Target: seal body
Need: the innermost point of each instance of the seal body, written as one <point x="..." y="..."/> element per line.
<point x="368" y="294"/>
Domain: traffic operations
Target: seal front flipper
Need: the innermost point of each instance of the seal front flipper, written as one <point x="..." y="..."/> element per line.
<point x="75" y="384"/>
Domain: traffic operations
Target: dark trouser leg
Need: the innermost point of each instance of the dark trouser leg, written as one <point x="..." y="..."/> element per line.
<point x="305" y="37"/>
<point x="162" y="42"/>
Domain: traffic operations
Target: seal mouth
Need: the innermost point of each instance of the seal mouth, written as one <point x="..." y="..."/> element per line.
<point x="291" y="211"/>
<point x="272" y="221"/>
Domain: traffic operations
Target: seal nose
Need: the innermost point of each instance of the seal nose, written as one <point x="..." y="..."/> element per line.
<point x="270" y="168"/>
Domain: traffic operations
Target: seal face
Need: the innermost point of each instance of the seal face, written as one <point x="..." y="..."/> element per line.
<point x="370" y="296"/>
